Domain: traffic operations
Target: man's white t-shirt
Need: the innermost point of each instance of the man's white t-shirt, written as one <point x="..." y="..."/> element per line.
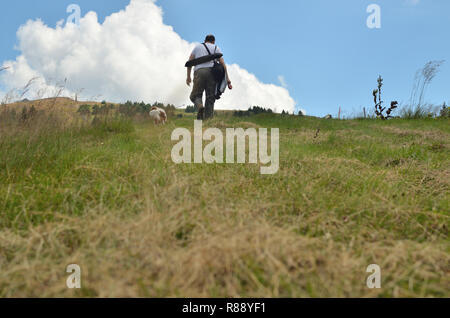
<point x="200" y="51"/>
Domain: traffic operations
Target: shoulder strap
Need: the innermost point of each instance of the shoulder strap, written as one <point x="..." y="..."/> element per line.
<point x="206" y="47"/>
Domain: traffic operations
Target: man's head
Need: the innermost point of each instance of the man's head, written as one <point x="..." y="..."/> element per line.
<point x="210" y="39"/>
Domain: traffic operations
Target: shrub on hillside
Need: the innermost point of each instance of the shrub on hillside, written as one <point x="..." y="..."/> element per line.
<point x="170" y="110"/>
<point x="128" y="109"/>
<point x="104" y="109"/>
<point x="417" y="112"/>
<point x="255" y="110"/>
<point x="191" y="109"/>
<point x="445" y="111"/>
<point x="84" y="110"/>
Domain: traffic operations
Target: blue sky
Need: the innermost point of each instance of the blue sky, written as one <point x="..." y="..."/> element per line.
<point x="322" y="48"/>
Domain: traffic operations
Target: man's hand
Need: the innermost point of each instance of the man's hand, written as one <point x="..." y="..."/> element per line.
<point x="222" y="61"/>
<point x="189" y="71"/>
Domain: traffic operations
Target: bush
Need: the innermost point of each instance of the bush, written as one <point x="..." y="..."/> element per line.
<point x="417" y="112"/>
<point x="255" y="110"/>
<point x="445" y="111"/>
<point x="170" y="110"/>
<point x="129" y="109"/>
<point x="84" y="110"/>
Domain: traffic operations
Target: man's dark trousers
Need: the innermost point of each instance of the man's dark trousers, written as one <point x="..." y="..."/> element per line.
<point x="204" y="82"/>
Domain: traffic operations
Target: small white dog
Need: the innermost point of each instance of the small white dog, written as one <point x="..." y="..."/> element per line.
<point x="159" y="115"/>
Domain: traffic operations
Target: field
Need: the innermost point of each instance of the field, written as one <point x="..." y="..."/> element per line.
<point x="107" y="196"/>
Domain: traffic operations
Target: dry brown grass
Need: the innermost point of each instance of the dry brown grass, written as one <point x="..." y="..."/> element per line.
<point x="218" y="256"/>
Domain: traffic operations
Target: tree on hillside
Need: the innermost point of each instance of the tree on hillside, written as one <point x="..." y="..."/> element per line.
<point x="191" y="109"/>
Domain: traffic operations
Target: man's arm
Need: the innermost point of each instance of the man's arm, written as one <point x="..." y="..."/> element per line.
<point x="189" y="71"/>
<point x="222" y="61"/>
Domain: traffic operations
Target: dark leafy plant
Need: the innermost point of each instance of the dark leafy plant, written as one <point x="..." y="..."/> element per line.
<point x="379" y="109"/>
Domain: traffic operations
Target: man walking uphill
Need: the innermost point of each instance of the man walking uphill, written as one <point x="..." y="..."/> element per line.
<point x="204" y="80"/>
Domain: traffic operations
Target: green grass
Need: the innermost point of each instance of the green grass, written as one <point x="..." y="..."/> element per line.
<point x="108" y="197"/>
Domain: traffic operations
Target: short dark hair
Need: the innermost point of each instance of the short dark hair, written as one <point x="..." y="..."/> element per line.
<point x="210" y="38"/>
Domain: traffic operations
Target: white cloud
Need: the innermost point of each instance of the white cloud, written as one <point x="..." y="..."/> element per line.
<point x="132" y="55"/>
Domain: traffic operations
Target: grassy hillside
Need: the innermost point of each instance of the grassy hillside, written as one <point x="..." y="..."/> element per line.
<point x="107" y="197"/>
<point x="59" y="103"/>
